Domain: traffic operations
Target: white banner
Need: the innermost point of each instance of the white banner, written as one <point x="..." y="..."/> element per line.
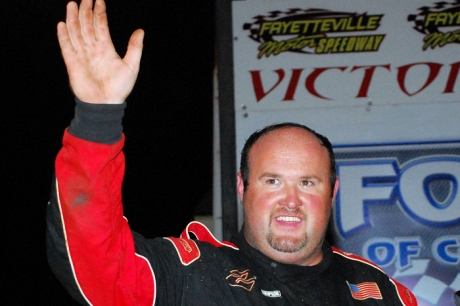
<point x="357" y="65"/>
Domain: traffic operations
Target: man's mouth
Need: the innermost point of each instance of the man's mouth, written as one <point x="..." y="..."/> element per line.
<point x="288" y="219"/>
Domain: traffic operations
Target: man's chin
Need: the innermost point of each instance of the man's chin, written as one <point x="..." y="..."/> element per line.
<point x="287" y="244"/>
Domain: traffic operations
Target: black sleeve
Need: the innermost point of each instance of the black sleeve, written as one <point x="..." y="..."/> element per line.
<point x="98" y="122"/>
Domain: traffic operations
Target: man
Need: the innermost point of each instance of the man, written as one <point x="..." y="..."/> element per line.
<point x="287" y="184"/>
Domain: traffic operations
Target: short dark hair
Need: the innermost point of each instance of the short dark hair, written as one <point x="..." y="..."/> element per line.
<point x="244" y="163"/>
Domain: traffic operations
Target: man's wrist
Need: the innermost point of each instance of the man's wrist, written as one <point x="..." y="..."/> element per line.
<point x="100" y="123"/>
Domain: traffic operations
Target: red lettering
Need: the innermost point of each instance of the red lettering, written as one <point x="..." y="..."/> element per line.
<point x="368" y="74"/>
<point x="310" y="81"/>
<point x="257" y="83"/>
<point x="452" y="77"/>
<point x="290" y="92"/>
<point x="262" y="91"/>
<point x="402" y="72"/>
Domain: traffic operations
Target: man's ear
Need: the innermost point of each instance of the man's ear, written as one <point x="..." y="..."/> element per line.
<point x="240" y="186"/>
<point x="336" y="188"/>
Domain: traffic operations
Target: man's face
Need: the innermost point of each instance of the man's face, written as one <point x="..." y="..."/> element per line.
<point x="288" y="200"/>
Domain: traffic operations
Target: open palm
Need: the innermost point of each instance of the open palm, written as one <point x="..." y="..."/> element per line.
<point x="97" y="73"/>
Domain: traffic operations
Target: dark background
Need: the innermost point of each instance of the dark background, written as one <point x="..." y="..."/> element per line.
<point x="168" y="125"/>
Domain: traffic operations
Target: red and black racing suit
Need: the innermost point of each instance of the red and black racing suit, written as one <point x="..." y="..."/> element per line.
<point x="101" y="261"/>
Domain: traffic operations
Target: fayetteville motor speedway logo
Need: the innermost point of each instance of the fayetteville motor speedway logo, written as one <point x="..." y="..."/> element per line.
<point x="440" y="24"/>
<point x="315" y="31"/>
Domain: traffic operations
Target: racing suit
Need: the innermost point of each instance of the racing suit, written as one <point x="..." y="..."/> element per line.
<point x="100" y="261"/>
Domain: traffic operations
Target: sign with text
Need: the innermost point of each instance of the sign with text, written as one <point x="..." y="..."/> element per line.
<point x="399" y="206"/>
<point x="381" y="81"/>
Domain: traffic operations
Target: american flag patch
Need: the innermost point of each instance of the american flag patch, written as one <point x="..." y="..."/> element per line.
<point x="368" y="290"/>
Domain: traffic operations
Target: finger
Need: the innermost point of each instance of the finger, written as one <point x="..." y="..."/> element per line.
<point x="134" y="52"/>
<point x="67" y="48"/>
<point x="73" y="25"/>
<point x="87" y="20"/>
<point x="101" y="23"/>
<point x="64" y="39"/>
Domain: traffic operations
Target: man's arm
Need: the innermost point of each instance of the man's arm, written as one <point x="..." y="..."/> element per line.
<point x="90" y="245"/>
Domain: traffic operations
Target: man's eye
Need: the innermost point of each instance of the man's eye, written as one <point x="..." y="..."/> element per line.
<point x="307" y="183"/>
<point x="272" y="181"/>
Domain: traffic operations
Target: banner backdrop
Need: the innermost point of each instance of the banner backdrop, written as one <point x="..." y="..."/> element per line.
<point x="381" y="81"/>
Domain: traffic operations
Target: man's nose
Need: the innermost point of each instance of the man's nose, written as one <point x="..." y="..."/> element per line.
<point x="291" y="197"/>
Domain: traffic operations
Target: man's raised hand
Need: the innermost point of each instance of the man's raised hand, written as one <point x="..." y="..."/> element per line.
<point x="97" y="73"/>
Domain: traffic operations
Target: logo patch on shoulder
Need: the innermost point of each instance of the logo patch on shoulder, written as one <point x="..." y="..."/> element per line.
<point x="187" y="249"/>
<point x="367" y="290"/>
<point x="241" y="279"/>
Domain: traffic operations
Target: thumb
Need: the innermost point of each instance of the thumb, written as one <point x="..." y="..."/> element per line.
<point x="134" y="52"/>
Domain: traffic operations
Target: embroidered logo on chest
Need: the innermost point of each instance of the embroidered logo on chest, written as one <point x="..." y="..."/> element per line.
<point x="241" y="279"/>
